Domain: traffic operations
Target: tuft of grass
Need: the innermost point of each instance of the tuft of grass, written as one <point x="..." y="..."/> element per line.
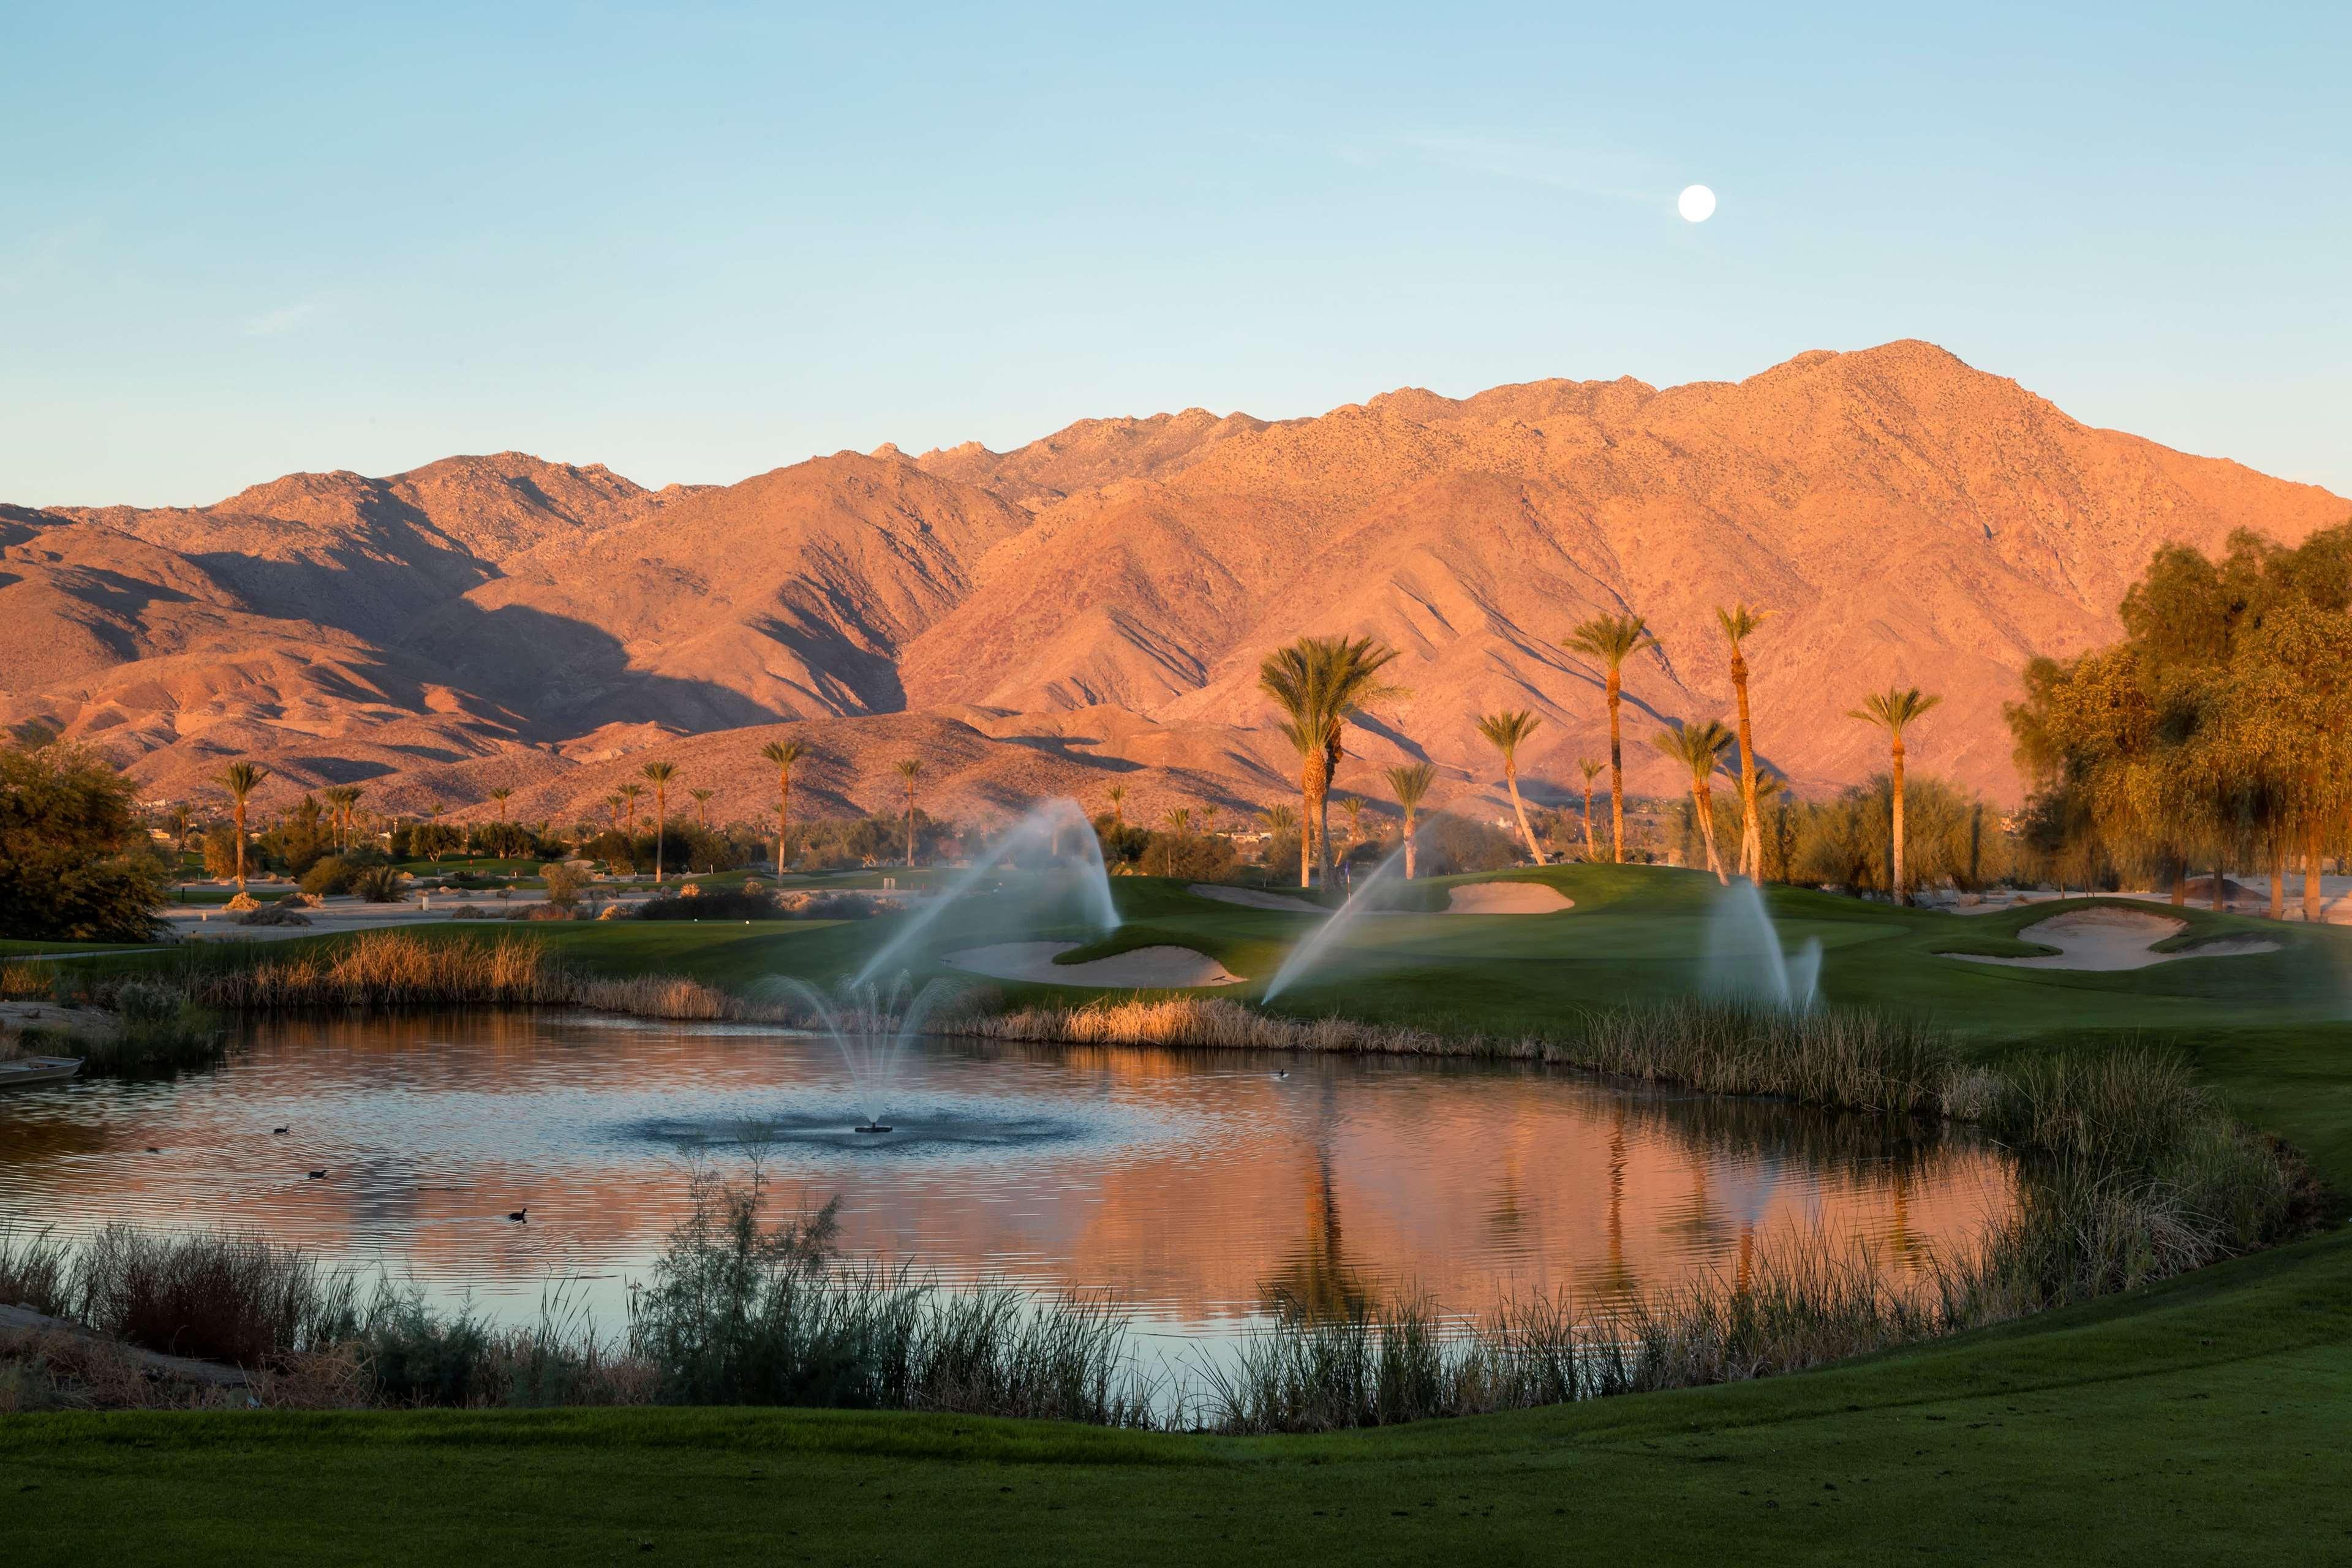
<point x="35" y="1271"/>
<point x="227" y="1297"/>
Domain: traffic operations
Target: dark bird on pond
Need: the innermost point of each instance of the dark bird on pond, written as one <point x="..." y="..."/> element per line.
<point x="279" y="1132"/>
<point x="318" y="1176"/>
<point x="521" y="1214"/>
<point x="153" y="1150"/>
<point x="1284" y="1073"/>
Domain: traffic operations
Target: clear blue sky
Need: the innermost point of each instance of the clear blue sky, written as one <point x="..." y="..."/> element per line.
<point x="699" y="242"/>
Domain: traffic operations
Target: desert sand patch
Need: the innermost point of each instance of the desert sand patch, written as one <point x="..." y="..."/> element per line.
<point x="1508" y="899"/>
<point x="2106" y="939"/>
<point x="1147" y="968"/>
<point x="1254" y="898"/>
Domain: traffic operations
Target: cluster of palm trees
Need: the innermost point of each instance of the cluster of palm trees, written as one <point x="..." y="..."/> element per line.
<point x="1317" y="684"/>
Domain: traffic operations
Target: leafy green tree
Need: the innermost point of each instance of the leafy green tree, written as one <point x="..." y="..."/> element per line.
<point x="75" y="865"/>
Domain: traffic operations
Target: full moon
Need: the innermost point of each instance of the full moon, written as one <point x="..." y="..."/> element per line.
<point x="1697" y="203"/>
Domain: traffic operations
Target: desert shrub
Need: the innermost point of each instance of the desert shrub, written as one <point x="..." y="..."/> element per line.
<point x="414" y="1355"/>
<point x="282" y="912"/>
<point x="719" y="904"/>
<point x="1448" y="846"/>
<point x="565" y="883"/>
<point x="334" y="874"/>
<point x="1949" y="834"/>
<point x="378" y="884"/>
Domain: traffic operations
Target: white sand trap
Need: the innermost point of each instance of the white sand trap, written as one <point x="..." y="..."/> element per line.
<point x="1508" y="899"/>
<point x="1252" y="898"/>
<point x="1147" y="968"/>
<point x="2114" y="939"/>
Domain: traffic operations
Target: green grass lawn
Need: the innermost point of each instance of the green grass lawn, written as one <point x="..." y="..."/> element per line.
<point x="2208" y="1420"/>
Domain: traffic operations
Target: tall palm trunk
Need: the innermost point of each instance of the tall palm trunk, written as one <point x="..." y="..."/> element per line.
<point x="1902" y="888"/>
<point x="1408" y="843"/>
<point x="1703" y="802"/>
<point x="1591" y="850"/>
<point x="1752" y="833"/>
<point x="2311" y="899"/>
<point x="661" y="827"/>
<point x="1314" y="779"/>
<point x="1616" y="775"/>
<point x="240" y="844"/>
<point x="1518" y="808"/>
<point x="784" y="817"/>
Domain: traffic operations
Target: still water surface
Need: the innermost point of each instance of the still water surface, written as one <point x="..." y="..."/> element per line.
<point x="1193" y="1187"/>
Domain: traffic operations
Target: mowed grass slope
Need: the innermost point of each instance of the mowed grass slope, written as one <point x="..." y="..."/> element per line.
<point x="2208" y="1420"/>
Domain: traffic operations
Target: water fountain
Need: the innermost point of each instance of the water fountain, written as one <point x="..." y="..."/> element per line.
<point x="869" y="1024"/>
<point x="1745" y="961"/>
<point x="1325" y="937"/>
<point x="1057" y="828"/>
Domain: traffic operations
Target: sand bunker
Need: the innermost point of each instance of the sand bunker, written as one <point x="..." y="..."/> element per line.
<point x="1252" y="898"/>
<point x="1147" y="968"/>
<point x="1508" y="899"/>
<point x="2114" y="939"/>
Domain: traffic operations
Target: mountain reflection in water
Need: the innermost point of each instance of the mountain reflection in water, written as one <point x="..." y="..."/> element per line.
<point x="1193" y="1187"/>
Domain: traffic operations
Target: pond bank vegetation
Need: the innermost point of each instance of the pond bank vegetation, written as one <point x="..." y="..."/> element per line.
<point x="2129" y="1170"/>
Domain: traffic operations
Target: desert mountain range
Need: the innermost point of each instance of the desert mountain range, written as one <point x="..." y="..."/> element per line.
<point x="1090" y="608"/>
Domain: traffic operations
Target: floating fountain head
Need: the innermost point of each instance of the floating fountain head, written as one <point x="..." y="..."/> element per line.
<point x="869" y="1024"/>
<point x="1745" y="961"/>
<point x="1057" y="832"/>
<point x="1326" y="936"/>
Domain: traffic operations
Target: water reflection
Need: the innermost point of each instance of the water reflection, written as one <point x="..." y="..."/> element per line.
<point x="1195" y="1187"/>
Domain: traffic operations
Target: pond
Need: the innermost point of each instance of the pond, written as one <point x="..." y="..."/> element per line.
<point x="1192" y="1186"/>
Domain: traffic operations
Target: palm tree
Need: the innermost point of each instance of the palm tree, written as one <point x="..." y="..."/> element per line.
<point x="1591" y="768"/>
<point x="1739" y="623"/>
<point x="1352" y="807"/>
<point x="500" y="795"/>
<point x="1892" y="710"/>
<point x="1177" y="822"/>
<point x="1116" y="795"/>
<point x="1700" y="748"/>
<point x="660" y="773"/>
<point x="1613" y="639"/>
<point x="241" y="779"/>
<point x="629" y="793"/>
<point x="784" y="753"/>
<point x="1318" y="683"/>
<point x="701" y="809"/>
<point x="613" y="803"/>
<point x="909" y="772"/>
<point x="182" y="821"/>
<point x="1411" y="782"/>
<point x="1278" y="820"/>
<point x="1504" y="732"/>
